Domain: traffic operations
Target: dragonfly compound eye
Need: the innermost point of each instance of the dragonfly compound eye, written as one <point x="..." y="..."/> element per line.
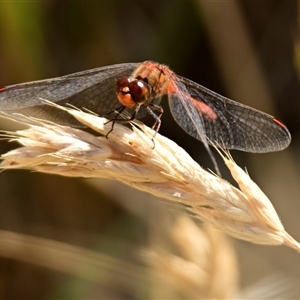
<point x="124" y="93"/>
<point x="139" y="91"/>
<point x="132" y="92"/>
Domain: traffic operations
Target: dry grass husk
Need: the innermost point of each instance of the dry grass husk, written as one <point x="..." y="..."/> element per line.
<point x="166" y="171"/>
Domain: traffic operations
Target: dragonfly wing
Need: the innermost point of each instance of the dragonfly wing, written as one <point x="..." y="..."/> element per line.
<point x="92" y="89"/>
<point x="224" y="122"/>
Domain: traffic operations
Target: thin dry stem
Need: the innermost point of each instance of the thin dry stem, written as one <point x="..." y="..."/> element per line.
<point x="203" y="268"/>
<point x="166" y="171"/>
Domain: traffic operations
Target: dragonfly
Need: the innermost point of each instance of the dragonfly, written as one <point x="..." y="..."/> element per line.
<point x="138" y="88"/>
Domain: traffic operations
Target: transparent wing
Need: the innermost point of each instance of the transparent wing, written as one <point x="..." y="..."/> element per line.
<point x="224" y="122"/>
<point x="92" y="89"/>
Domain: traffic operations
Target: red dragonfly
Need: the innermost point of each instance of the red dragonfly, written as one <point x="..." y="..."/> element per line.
<point x="139" y="87"/>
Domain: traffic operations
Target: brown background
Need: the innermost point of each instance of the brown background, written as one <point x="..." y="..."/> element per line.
<point x="248" y="51"/>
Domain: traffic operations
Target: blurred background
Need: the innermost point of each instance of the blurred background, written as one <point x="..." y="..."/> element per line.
<point x="246" y="50"/>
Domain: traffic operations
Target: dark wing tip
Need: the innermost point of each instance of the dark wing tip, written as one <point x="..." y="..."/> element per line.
<point x="285" y="134"/>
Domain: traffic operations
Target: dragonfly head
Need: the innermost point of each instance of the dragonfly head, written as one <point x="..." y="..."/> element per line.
<point x="131" y="92"/>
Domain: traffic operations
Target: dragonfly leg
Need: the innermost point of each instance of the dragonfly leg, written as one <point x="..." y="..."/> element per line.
<point x="116" y="119"/>
<point x="150" y="109"/>
<point x="156" y="117"/>
<point x="119" y="110"/>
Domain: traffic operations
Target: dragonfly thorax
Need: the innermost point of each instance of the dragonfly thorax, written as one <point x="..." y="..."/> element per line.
<point x="157" y="77"/>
